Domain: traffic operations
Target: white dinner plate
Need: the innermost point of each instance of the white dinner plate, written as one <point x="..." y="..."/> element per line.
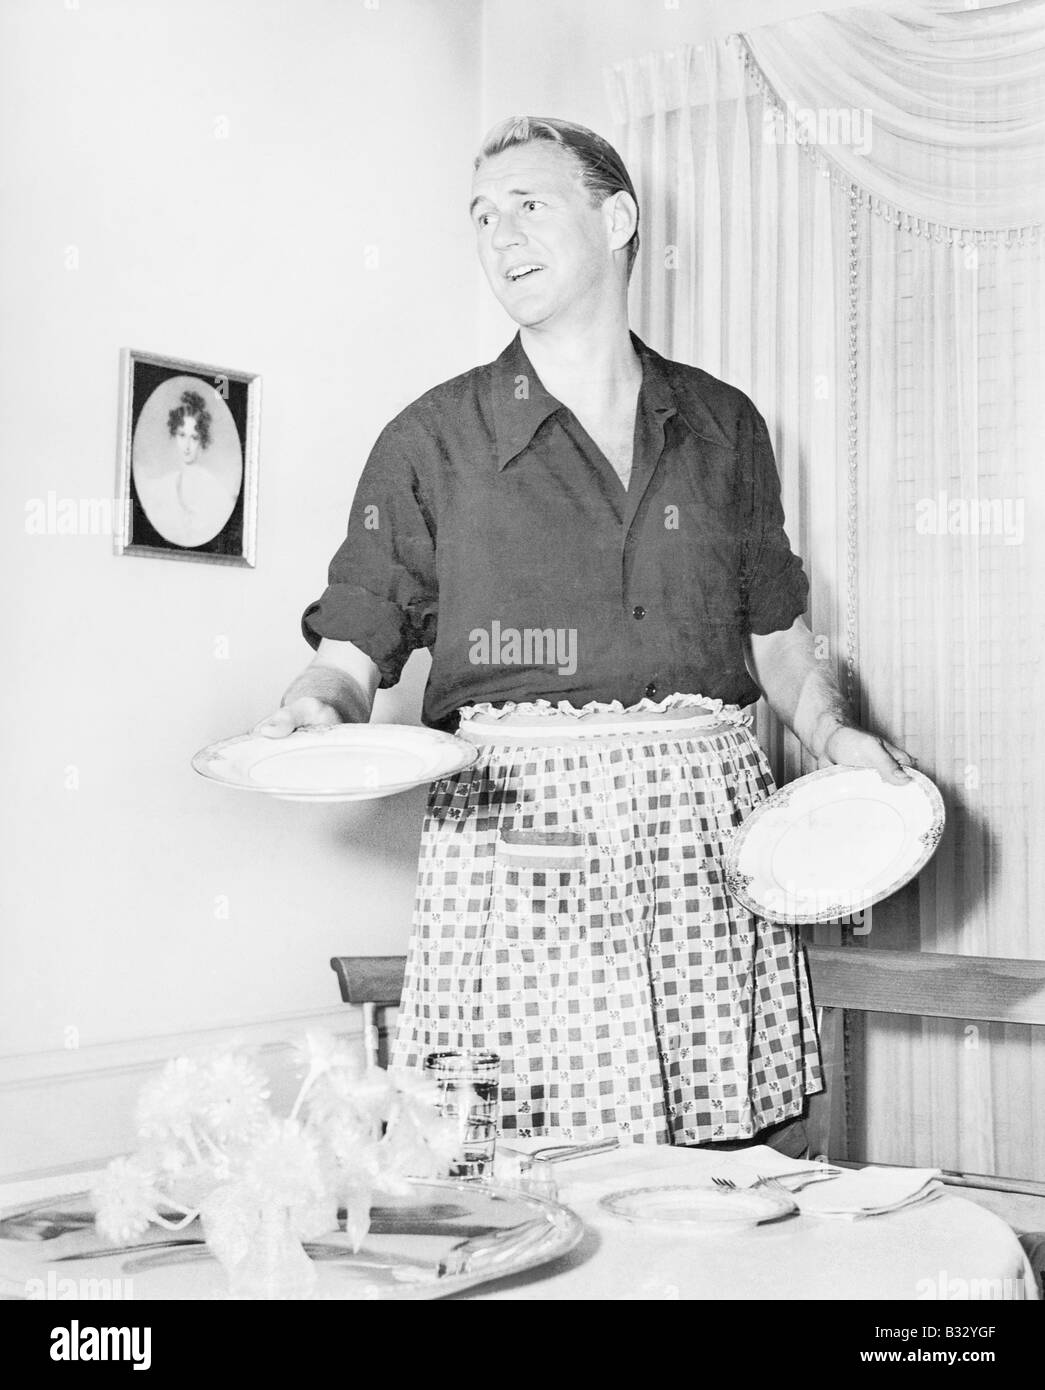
<point x="339" y="762"/>
<point x="692" y="1205"/>
<point x="831" y="844"/>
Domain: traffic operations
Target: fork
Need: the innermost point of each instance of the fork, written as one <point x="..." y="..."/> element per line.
<point x="728" y="1185"/>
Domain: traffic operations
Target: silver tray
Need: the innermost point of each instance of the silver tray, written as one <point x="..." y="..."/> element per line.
<point x="442" y="1238"/>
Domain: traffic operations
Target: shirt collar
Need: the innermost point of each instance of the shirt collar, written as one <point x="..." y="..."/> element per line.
<point x="521" y="404"/>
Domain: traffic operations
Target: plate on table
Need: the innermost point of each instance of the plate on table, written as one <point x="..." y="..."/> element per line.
<point x="439" y="1238"/>
<point x="337" y="762"/>
<point x="831" y="844"/>
<point x="706" y="1207"/>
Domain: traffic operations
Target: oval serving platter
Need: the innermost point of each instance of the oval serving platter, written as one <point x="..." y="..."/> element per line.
<point x="439" y="1237"/>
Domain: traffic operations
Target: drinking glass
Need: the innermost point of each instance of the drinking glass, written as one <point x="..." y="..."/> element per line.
<point x="469" y="1085"/>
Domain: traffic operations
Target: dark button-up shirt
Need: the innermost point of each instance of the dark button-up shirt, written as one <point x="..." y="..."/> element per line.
<point x="489" y="527"/>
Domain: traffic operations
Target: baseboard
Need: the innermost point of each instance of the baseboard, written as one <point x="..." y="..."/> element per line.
<point x="63" y="1109"/>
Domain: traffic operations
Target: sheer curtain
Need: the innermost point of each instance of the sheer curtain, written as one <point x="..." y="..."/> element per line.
<point x="842" y="215"/>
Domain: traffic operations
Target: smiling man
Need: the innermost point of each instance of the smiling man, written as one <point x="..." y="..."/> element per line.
<point x="589" y="539"/>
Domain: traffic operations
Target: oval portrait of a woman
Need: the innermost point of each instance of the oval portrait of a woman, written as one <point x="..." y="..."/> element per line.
<point x="187" y="461"/>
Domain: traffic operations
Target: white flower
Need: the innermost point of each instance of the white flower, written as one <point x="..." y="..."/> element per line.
<point x="282" y="1167"/>
<point x="342" y="1101"/>
<point x="233" y="1095"/>
<point x="213" y="1147"/>
<point x="170" y="1102"/>
<point x="354" y="1153"/>
<point x="323" y="1055"/>
<point x="126" y="1198"/>
<point x="416" y="1091"/>
<point x="322" y="1051"/>
<point x="417" y="1147"/>
<point x="166" y="1157"/>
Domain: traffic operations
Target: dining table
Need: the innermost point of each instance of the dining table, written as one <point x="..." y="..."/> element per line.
<point x="939" y="1249"/>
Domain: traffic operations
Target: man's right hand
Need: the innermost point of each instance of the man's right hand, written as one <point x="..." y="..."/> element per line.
<point x="337" y="688"/>
<point x="306" y="712"/>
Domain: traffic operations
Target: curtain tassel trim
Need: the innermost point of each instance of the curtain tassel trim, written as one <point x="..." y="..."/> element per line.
<point x="905" y="221"/>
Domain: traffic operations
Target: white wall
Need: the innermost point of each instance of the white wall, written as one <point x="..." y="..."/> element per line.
<point x="348" y="127"/>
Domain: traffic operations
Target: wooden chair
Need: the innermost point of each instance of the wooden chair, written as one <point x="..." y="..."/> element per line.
<point x="375" y="983"/>
<point x="979" y="989"/>
<point x="975" y="989"/>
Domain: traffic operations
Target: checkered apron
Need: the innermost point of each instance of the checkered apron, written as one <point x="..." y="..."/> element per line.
<point x="572" y="916"/>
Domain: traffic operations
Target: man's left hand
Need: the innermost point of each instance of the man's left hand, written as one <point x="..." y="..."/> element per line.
<point x="857" y="748"/>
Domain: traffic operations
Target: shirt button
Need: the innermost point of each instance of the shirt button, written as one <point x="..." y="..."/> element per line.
<point x="638" y="611"/>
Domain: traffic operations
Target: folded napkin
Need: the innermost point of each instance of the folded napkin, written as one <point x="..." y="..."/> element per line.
<point x="870" y="1192"/>
<point x="852" y="1192"/>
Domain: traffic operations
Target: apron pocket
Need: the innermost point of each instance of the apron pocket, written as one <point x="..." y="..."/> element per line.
<point x="540" y="893"/>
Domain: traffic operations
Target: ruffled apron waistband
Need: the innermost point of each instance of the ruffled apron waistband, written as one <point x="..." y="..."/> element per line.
<point x="540" y="722"/>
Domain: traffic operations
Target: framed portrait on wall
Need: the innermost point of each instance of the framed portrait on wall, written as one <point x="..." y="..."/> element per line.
<point x="187" y="467"/>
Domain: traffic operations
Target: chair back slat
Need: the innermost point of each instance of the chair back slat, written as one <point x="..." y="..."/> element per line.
<point x="370" y="979"/>
<point x="981" y="988"/>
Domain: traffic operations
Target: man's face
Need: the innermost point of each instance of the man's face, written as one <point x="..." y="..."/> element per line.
<point x="543" y="245"/>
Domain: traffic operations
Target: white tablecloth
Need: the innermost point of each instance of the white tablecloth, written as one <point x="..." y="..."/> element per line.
<point x="947" y="1249"/>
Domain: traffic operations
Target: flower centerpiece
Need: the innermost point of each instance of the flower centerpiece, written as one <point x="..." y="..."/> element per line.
<point x="260" y="1183"/>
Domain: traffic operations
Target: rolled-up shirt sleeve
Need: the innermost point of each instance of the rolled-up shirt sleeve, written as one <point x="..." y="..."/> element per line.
<point x="381" y="590"/>
<point x="775" y="588"/>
